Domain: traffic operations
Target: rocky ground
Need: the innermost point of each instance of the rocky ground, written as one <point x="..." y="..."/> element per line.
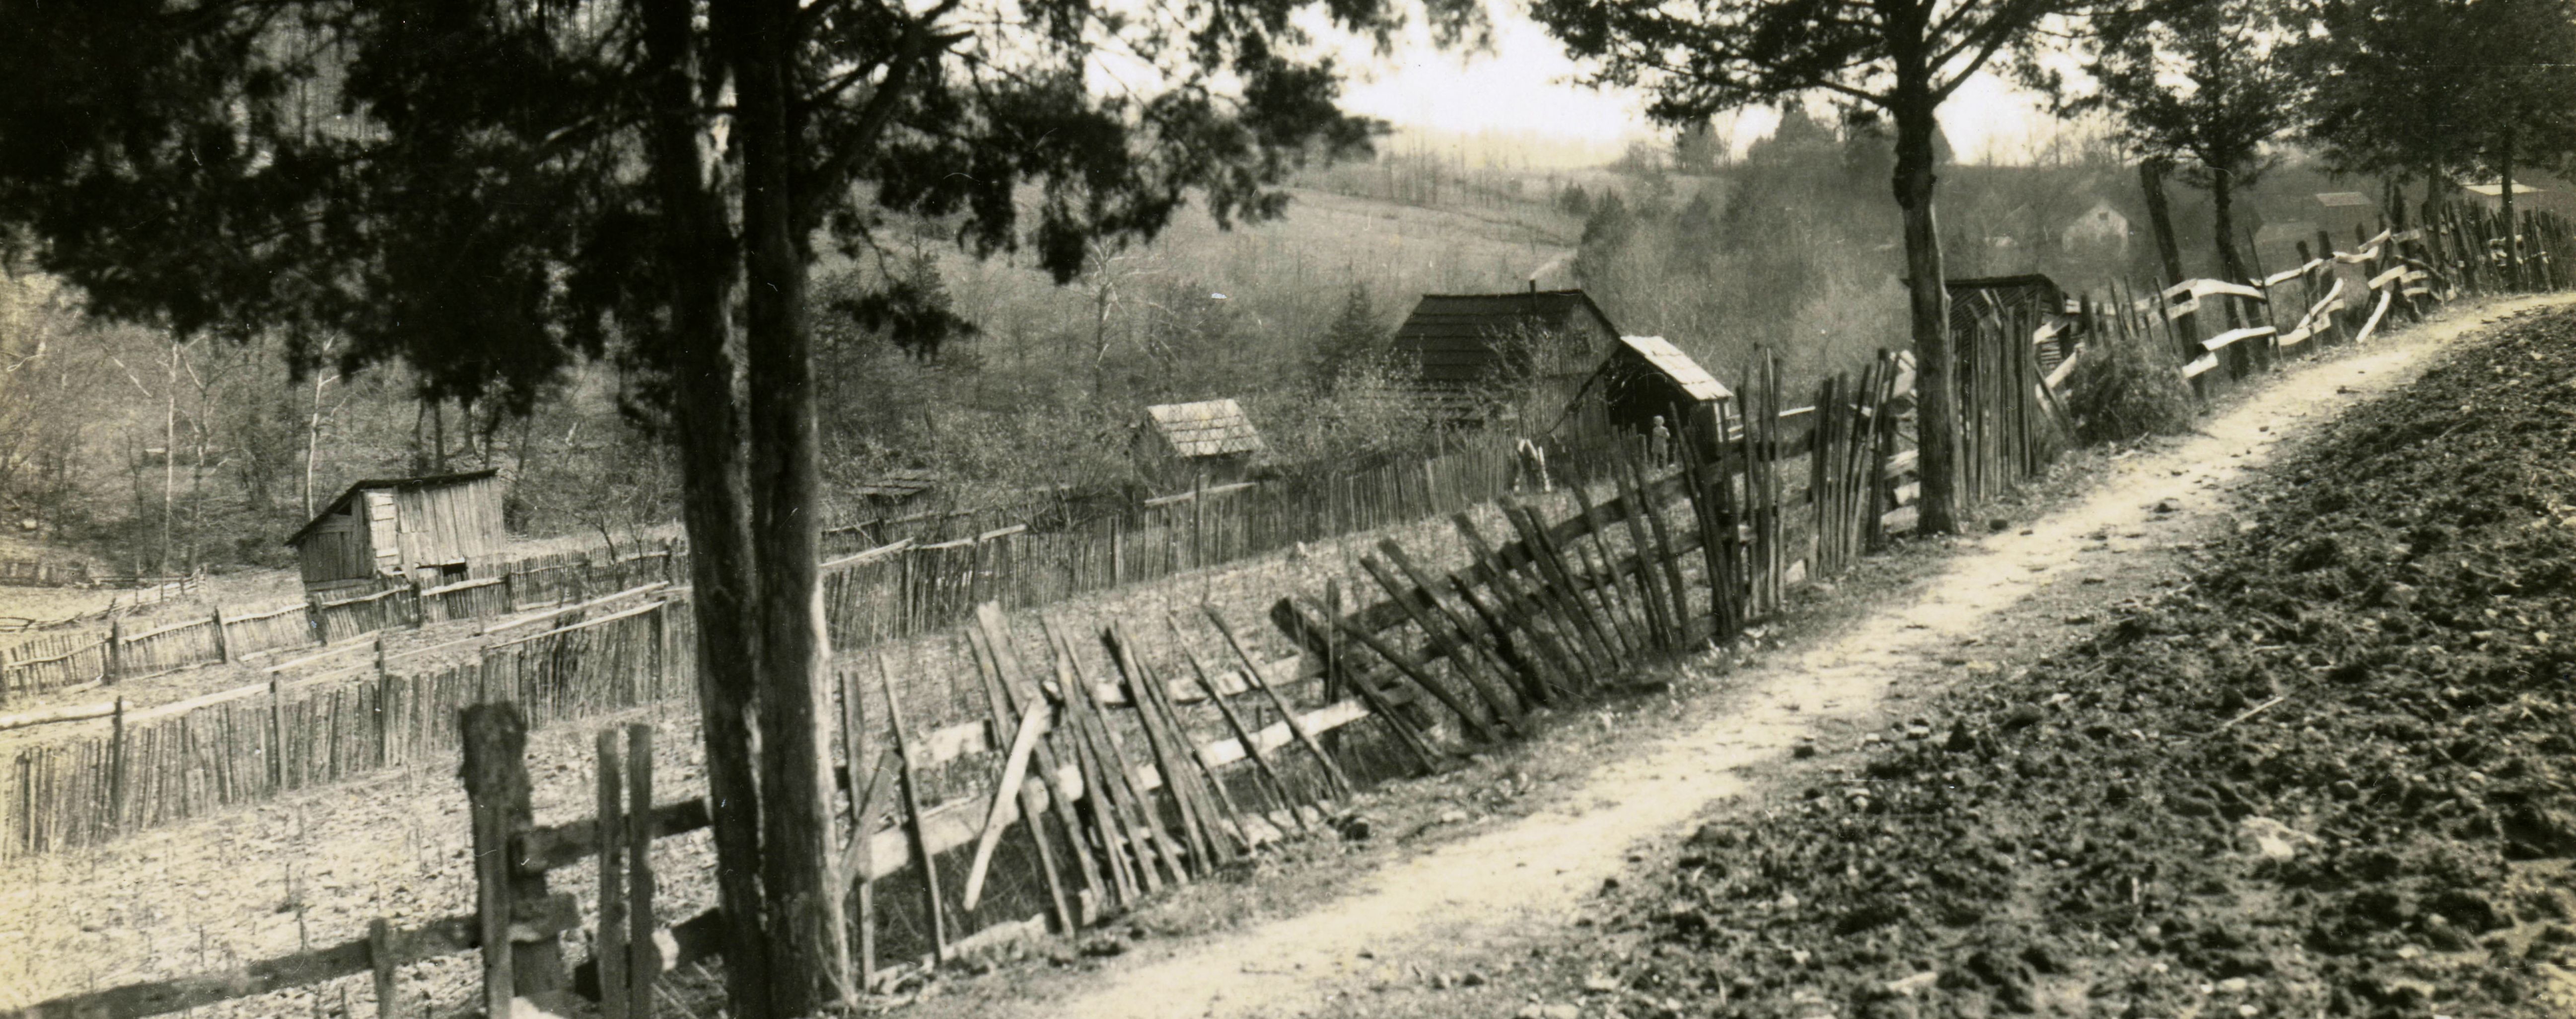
<point x="2327" y="775"/>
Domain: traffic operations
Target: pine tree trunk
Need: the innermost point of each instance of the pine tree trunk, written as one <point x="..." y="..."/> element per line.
<point x="1937" y="422"/>
<point x="2231" y="259"/>
<point x="2151" y="179"/>
<point x="713" y="495"/>
<point x="808" y="942"/>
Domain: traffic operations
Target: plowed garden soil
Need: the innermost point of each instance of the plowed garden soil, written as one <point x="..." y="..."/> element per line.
<point x="2327" y="775"/>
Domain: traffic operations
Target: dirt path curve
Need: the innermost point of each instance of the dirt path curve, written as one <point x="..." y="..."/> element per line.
<point x="1533" y="873"/>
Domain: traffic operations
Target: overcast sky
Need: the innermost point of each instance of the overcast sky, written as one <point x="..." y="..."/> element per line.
<point x="1526" y="84"/>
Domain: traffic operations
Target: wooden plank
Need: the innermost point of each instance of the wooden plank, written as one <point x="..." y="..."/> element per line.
<point x="545" y="614"/>
<point x="2232" y="336"/>
<point x="1015" y="769"/>
<point x="72" y="713"/>
<point x="1168" y="746"/>
<point x="1470" y="670"/>
<point x="1287" y="715"/>
<point x="870" y="555"/>
<point x="912" y="825"/>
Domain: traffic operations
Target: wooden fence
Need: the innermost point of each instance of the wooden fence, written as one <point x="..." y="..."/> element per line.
<point x="166" y="764"/>
<point x="910" y="587"/>
<point x="79" y="661"/>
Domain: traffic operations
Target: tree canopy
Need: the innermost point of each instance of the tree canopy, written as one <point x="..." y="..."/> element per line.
<point x="489" y="190"/>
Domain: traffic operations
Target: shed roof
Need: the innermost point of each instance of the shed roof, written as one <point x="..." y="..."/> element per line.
<point x="901" y="483"/>
<point x="2343" y="199"/>
<point x="373" y="484"/>
<point x="1677" y="366"/>
<point x="1205" y="428"/>
<point x="1454" y="337"/>
<point x="2497" y="190"/>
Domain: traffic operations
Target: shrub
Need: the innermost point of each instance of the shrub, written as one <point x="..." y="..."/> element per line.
<point x="2126" y="388"/>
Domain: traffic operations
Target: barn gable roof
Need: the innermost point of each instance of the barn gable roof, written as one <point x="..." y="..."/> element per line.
<point x="1669" y="361"/>
<point x="1454" y="337"/>
<point x="376" y="484"/>
<point x="1205" y="428"/>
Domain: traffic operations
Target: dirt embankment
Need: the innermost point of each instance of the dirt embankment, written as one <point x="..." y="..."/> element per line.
<point x="2329" y="775"/>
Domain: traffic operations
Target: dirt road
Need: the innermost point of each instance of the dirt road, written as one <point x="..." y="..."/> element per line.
<point x="1467" y="903"/>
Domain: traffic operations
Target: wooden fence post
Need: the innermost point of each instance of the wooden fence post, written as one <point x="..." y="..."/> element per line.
<point x="116" y="769"/>
<point x="496" y="785"/>
<point x="115" y="659"/>
<point x="276" y="737"/>
<point x="380" y="958"/>
<point x="610" y="947"/>
<point x="644" y="960"/>
<point x="223" y="647"/>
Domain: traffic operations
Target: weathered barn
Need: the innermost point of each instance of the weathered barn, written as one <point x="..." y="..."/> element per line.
<point x="1210" y="440"/>
<point x="1462" y="347"/>
<point x="1646" y="378"/>
<point x="1480" y="339"/>
<point x="426" y="529"/>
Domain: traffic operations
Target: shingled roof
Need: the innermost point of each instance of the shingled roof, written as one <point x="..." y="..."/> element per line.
<point x="1669" y="361"/>
<point x="1457" y="338"/>
<point x="1205" y="428"/>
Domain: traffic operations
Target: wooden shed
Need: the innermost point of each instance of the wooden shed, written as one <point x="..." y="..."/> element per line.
<point x="428" y="529"/>
<point x="1646" y="378"/>
<point x="1210" y="440"/>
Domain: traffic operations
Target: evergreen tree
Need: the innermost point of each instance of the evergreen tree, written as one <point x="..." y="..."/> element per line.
<point x="1356" y="339"/>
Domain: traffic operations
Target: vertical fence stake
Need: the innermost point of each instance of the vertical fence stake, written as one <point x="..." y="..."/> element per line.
<point x="494" y="740"/>
<point x="644" y="957"/>
<point x="380" y="958"/>
<point x="116" y="769"/>
<point x="610" y="948"/>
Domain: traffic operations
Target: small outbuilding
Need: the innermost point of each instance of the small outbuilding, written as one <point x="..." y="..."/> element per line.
<point x="897" y="491"/>
<point x="1211" y="440"/>
<point x="2347" y="216"/>
<point x="428" y="530"/>
<point x="1646" y="378"/>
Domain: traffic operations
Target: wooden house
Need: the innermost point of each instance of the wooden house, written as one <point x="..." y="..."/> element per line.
<point x="1469" y="352"/>
<point x="428" y="530"/>
<point x="1210" y="441"/>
